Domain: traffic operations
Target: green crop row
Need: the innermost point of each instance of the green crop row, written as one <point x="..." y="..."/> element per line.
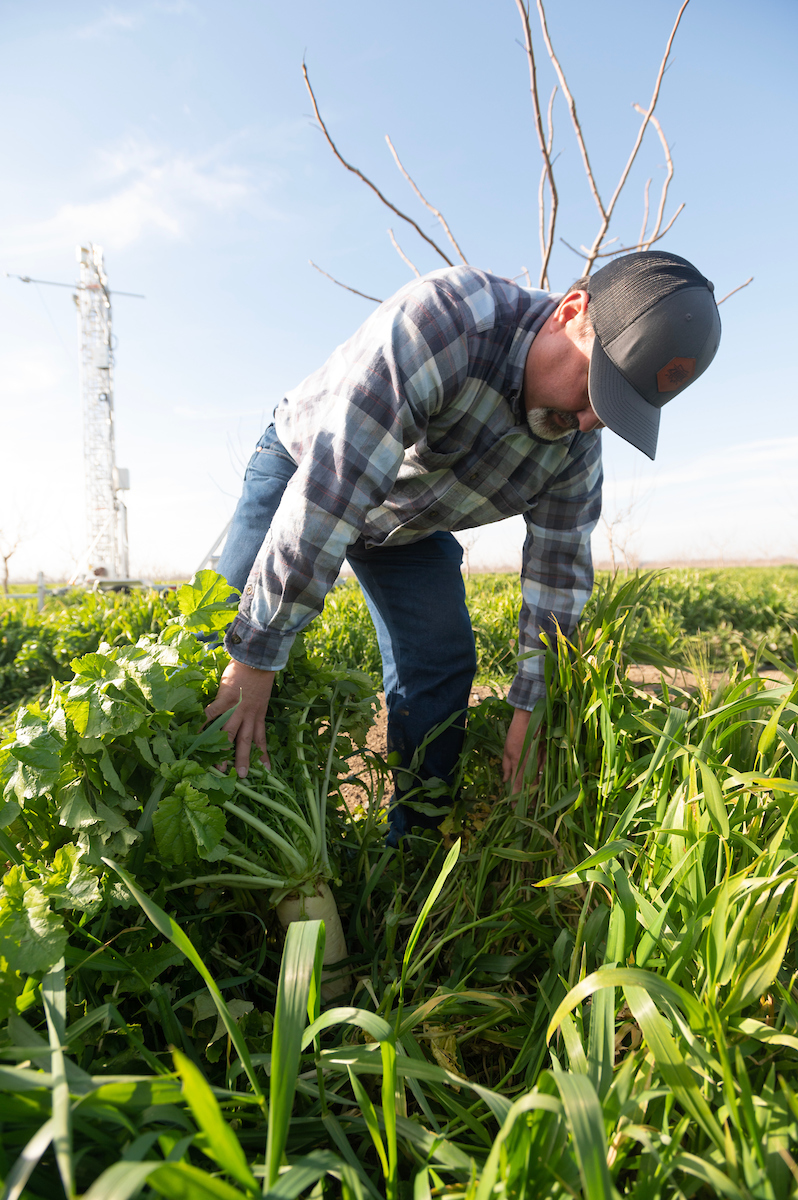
<point x="38" y="647"/>
<point x="689" y="615"/>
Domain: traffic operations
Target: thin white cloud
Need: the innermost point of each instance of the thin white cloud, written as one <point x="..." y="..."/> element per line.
<point x="149" y="189"/>
<point x="115" y="20"/>
<point x="725" y="465"/>
<point x="112" y="21"/>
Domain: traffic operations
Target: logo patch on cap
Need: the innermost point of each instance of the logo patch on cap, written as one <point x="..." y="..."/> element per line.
<point x="675" y="374"/>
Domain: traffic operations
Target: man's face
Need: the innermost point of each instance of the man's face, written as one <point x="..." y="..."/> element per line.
<point x="556" y="370"/>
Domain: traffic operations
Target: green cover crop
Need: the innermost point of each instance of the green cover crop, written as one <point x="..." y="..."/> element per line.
<point x="589" y="990"/>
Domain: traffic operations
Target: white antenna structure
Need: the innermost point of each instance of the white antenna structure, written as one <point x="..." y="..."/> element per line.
<point x="106" y="514"/>
<point x="106" y="553"/>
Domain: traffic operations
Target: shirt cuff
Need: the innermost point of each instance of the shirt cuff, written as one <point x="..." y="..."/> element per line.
<point x="264" y="649"/>
<point x="525" y="692"/>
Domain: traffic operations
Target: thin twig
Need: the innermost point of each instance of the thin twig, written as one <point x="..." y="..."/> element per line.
<point x="648" y="242"/>
<point x="638" y="140"/>
<point x="623" y="249"/>
<point x="541" y="190"/>
<point x="402" y="254"/>
<point x="367" y="181"/>
<point x="547" y="242"/>
<point x="668" y="178"/>
<point x="737" y="289"/>
<point x="642" y="237"/>
<point x="571" y="108"/>
<point x="435" y="212"/>
<point x="344" y="285"/>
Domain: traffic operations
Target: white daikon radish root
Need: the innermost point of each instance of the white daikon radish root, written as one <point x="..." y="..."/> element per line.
<point x="320" y="907"/>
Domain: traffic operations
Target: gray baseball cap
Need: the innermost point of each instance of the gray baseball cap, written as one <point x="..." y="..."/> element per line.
<point x="657" y="329"/>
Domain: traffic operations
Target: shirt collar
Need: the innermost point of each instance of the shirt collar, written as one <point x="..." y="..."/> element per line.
<point x="543" y="305"/>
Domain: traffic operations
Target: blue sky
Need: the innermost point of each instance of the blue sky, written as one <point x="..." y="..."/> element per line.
<point x="178" y="135"/>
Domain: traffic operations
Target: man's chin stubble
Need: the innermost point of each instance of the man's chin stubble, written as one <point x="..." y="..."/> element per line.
<point x="545" y="423"/>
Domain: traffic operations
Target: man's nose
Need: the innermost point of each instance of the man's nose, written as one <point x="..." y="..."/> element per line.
<point x="588" y="419"/>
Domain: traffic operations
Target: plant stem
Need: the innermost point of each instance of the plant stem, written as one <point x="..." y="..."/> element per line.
<point x="285" y="847"/>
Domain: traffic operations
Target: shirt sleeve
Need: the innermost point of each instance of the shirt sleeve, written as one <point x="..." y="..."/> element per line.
<point x="347" y="427"/>
<point x="557" y="572"/>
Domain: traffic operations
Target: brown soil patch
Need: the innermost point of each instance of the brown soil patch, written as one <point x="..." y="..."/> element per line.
<point x="376" y="742"/>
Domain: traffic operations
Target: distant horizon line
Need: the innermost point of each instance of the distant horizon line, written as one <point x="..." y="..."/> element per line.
<point x="501" y="569"/>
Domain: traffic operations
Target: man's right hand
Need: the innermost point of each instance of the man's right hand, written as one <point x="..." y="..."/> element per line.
<point x="248" y="723"/>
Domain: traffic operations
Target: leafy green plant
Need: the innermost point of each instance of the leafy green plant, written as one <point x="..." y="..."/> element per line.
<point x="118" y="765"/>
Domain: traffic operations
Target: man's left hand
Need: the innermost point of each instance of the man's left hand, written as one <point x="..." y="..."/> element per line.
<point x="515" y="758"/>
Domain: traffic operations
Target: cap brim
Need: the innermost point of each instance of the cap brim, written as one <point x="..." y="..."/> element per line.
<point x="619" y="406"/>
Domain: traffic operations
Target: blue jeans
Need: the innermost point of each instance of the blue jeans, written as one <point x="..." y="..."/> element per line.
<point x="416" y="597"/>
<point x="267" y="473"/>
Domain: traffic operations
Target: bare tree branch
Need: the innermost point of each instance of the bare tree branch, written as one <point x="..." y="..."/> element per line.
<point x="435" y="212"/>
<point x="402" y="254"/>
<point x="546" y="243"/>
<point x="582" y="250"/>
<point x="642" y="237"/>
<point x="572" y="109"/>
<point x="626" y="249"/>
<point x="345" y="286"/>
<point x="737" y="289"/>
<point x="640" y="245"/>
<point x="8" y="549"/>
<point x="607" y="216"/>
<point x="666" y="184"/>
<point x="367" y="181"/>
<point x="542" y="193"/>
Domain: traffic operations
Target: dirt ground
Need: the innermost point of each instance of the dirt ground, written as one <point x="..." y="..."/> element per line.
<point x="376" y="741"/>
<point x="644" y="676"/>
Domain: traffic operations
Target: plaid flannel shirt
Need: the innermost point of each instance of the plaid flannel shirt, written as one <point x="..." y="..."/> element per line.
<point x="415" y="425"/>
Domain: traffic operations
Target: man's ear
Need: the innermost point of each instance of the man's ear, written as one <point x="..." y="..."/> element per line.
<point x="571" y="307"/>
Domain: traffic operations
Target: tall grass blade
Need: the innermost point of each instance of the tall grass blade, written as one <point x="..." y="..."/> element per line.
<point x="435" y="891"/>
<point x="675" y="1072"/>
<point x="601" y="1035"/>
<point x="389" y="1081"/>
<point x="340" y="1139"/>
<point x="54" y="1000"/>
<point x="713" y="796"/>
<point x="760" y="975"/>
<point x="490" y="1172"/>
<point x="586" y="1120"/>
<point x="369" y="1022"/>
<point x="370" y="1117"/>
<point x="182" y="1181"/>
<point x="714" y="1178"/>
<point x="170" y="929"/>
<point x="306" y="1170"/>
<point x="668" y="994"/>
<point x="675" y="721"/>
<point x="296" y="970"/>
<point x="121" y="1181"/>
<point x="28" y="1160"/>
<point x="222" y="1145"/>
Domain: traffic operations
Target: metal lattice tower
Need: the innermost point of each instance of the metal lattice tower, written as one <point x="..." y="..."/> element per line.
<point x="106" y="515"/>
